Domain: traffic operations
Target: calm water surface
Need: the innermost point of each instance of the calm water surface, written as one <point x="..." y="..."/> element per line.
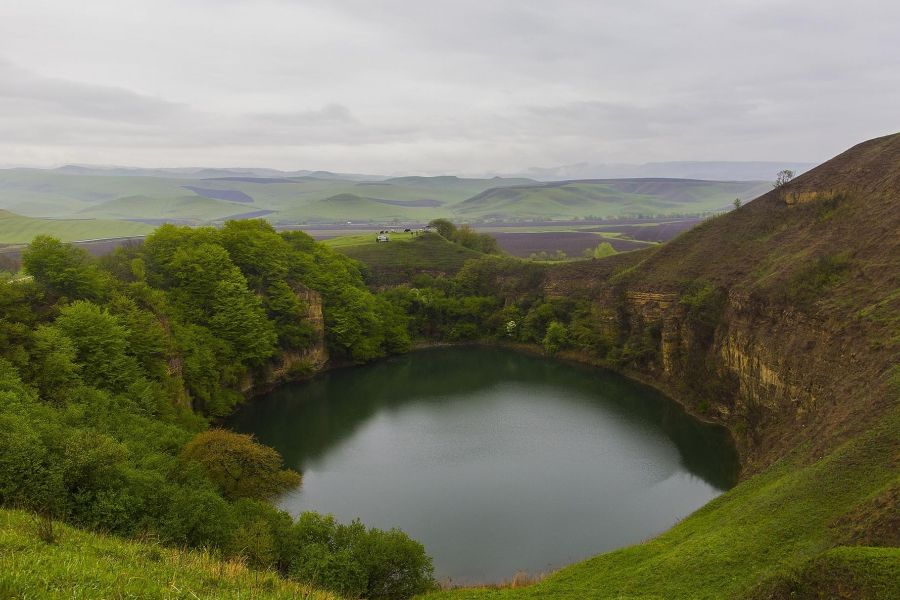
<point x="496" y="461"/>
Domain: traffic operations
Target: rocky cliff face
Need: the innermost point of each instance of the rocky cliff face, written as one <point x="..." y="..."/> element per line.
<point x="802" y="332"/>
<point x="289" y="365"/>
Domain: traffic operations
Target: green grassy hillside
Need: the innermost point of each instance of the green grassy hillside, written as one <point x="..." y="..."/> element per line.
<point x="16" y="229"/>
<point x="191" y="208"/>
<point x="404" y="256"/>
<point x="609" y="198"/>
<point x="86" y="565"/>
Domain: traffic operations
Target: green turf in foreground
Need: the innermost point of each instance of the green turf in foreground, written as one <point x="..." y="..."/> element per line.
<point x="767" y="533"/>
<point x="85" y="565"/>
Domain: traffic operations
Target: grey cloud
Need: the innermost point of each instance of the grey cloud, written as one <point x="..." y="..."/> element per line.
<point x="78" y="99"/>
<point x="462" y="86"/>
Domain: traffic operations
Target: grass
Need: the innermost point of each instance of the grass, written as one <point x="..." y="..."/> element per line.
<point x="403" y="256"/>
<point x="16" y="229"/>
<point x="768" y="528"/>
<point x="843" y="572"/>
<point x="82" y="565"/>
<point x="608" y="198"/>
<point x="193" y="208"/>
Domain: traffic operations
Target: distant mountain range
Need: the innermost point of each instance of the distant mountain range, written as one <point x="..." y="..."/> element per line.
<point x="710" y="170"/>
<point x="208" y="173"/>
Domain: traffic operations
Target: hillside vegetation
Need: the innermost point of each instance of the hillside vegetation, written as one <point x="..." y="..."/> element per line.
<point x="112" y="369"/>
<point x="404" y="256"/>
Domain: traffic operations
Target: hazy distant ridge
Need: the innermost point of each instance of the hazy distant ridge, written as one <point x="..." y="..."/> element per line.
<point x="709" y="170"/>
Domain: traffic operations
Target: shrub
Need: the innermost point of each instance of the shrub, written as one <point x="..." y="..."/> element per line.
<point x="556" y="338"/>
<point x="238" y="466"/>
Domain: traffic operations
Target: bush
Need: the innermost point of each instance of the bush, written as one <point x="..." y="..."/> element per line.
<point x="556" y="338"/>
<point x="357" y="562"/>
<point x="238" y="466"/>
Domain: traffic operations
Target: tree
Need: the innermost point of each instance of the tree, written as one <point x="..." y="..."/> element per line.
<point x="53" y="368"/>
<point x="444" y="227"/>
<point x="557" y="336"/>
<point x="64" y="269"/>
<point x="737" y="203"/>
<point x="238" y="317"/>
<point x="101" y="345"/>
<point x="260" y="253"/>
<point x="783" y="178"/>
<point x="238" y="465"/>
<point x="603" y="250"/>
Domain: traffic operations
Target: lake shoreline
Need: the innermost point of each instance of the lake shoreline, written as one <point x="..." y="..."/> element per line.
<point x="531" y="349"/>
<point x="467" y="430"/>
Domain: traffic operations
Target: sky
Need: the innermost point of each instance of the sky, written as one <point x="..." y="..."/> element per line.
<point x="467" y="86"/>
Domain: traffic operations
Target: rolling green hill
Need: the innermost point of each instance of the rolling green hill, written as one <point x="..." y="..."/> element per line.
<point x="182" y="208"/>
<point x="350" y="207"/>
<point x="609" y="198"/>
<point x="16" y="229"/>
<point x="313" y="199"/>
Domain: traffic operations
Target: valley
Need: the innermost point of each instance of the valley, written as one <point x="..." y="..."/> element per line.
<point x="777" y="320"/>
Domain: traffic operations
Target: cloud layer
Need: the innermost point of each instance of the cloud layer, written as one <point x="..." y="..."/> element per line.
<point x="464" y="86"/>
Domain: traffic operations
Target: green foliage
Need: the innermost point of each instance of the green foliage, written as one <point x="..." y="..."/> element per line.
<point x="64" y="269"/>
<point x="807" y="285"/>
<point x="109" y="367"/>
<point x="238" y="318"/>
<point x="444" y="227"/>
<point x="53" y="368"/>
<point x="238" y="466"/>
<point x="101" y="345"/>
<point x="465" y="236"/>
<point x="556" y="338"/>
<point x="356" y="562"/>
<point x="703" y="304"/>
<point x="603" y="250"/>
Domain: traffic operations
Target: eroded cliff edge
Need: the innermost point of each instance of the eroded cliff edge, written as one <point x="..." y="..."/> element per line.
<point x="779" y="320"/>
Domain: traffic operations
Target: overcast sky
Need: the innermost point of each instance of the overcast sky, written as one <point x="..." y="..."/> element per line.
<point x="467" y="86"/>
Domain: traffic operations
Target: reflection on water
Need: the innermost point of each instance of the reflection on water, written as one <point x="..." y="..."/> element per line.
<point x="495" y="460"/>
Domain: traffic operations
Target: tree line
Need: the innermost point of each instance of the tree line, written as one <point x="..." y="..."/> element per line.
<point x="113" y="368"/>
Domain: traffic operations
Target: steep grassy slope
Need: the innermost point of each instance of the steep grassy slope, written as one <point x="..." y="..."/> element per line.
<point x="810" y="325"/>
<point x="780" y="320"/>
<point x="16" y="229"/>
<point x="88" y="565"/>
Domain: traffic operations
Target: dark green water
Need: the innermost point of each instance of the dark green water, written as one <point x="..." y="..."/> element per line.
<point x="496" y="461"/>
